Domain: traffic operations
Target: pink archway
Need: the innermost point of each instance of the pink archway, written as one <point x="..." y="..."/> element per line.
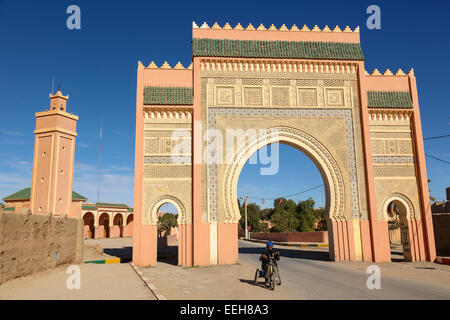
<point x="117" y="229"/>
<point x="129" y="226"/>
<point x="103" y="228"/>
<point x="89" y="225"/>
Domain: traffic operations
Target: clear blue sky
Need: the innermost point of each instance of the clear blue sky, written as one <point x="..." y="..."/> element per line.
<point x="97" y="65"/>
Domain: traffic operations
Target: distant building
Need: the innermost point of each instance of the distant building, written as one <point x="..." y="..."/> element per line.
<point x="441" y="225"/>
<point x="107" y="220"/>
<point x="442" y="206"/>
<point x="21" y="199"/>
<point x="53" y="163"/>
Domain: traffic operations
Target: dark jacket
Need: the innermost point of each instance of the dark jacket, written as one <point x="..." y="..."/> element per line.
<point x="265" y="255"/>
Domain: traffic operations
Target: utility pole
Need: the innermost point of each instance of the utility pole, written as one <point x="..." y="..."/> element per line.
<point x="245" y="213"/>
<point x="100" y="160"/>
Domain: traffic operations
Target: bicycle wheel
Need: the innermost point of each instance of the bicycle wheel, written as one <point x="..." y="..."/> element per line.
<point x="278" y="277"/>
<point x="272" y="281"/>
<point x="256" y="276"/>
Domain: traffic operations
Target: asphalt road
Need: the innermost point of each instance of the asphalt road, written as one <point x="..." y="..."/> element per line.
<point x="309" y="275"/>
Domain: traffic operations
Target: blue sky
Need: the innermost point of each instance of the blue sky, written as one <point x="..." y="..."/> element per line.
<point x="97" y="65"/>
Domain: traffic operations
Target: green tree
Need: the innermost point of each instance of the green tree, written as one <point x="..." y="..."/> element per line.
<point x="253" y="218"/>
<point x="284" y="221"/>
<point x="166" y="222"/>
<point x="266" y="213"/>
<point x="306" y="206"/>
<point x="306" y="222"/>
<point x="306" y="215"/>
<point x="322" y="223"/>
<point x="278" y="203"/>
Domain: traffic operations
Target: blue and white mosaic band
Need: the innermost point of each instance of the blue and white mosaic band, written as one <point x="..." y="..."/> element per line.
<point x="168" y="159"/>
<point x="393" y="159"/>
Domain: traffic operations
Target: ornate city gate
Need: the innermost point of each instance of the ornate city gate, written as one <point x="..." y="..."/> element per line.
<point x="306" y="88"/>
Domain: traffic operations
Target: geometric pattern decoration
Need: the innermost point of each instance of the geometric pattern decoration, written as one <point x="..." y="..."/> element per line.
<point x="307" y="97"/>
<point x="169" y="171"/>
<point x="280" y="96"/>
<point x="225" y="95"/>
<point x="393" y="159"/>
<point x="167" y="159"/>
<point x="253" y="96"/>
<point x="335" y="97"/>
<point x="394" y="170"/>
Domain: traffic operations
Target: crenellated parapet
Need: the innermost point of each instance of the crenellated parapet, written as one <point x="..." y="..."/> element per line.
<point x="165" y="66"/>
<point x="276" y="43"/>
<point x="165" y="85"/>
<point x="388" y="72"/>
<point x="272" y="27"/>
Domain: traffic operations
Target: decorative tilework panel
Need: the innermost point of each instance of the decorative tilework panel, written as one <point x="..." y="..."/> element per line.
<point x="253" y="96"/>
<point x="280" y="96"/>
<point x="307" y="97"/>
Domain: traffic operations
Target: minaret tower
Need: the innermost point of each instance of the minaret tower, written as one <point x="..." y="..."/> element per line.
<point x="53" y="162"/>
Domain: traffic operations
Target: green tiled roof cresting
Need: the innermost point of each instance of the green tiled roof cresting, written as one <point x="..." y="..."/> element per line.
<point x="108" y="204"/>
<point x="276" y="49"/>
<point x="76" y="195"/>
<point x="19" y="195"/>
<point x="24" y="194"/>
<point x="389" y="99"/>
<point x="88" y="207"/>
<point x="168" y="95"/>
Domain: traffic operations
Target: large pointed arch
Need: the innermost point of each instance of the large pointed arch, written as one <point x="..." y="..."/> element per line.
<point x="311" y="147"/>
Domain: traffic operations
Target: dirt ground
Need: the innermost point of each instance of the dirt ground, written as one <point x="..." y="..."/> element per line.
<point x="98" y="281"/>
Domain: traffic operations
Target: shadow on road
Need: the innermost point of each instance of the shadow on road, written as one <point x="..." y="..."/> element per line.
<point x="252" y="282"/>
<point x="168" y="255"/>
<point x="124" y="252"/>
<point x="289" y="253"/>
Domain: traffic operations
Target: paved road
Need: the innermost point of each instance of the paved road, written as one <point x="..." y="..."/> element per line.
<point x="308" y="275"/>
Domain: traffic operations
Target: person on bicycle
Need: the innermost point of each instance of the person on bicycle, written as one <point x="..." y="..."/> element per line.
<point x="266" y="254"/>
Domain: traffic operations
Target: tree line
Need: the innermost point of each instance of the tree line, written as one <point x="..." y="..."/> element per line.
<point x="285" y="216"/>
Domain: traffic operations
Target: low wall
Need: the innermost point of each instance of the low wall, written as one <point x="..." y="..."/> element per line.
<point x="33" y="243"/>
<point x="317" y="236"/>
<point x="441" y="225"/>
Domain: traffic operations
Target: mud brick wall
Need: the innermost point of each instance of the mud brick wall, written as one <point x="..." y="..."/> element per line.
<point x="33" y="243"/>
<point x="318" y="236"/>
<point x="441" y="225"/>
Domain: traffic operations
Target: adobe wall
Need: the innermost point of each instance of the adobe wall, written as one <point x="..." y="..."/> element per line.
<point x="318" y="236"/>
<point x="441" y="225"/>
<point x="33" y="243"/>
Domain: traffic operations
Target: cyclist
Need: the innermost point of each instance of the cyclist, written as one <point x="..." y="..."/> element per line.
<point x="265" y="256"/>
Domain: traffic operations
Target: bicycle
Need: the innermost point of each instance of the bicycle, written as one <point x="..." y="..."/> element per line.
<point x="272" y="277"/>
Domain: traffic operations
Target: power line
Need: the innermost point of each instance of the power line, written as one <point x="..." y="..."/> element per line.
<point x="437" y="137"/>
<point x="288" y="195"/>
<point x="436" y="158"/>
